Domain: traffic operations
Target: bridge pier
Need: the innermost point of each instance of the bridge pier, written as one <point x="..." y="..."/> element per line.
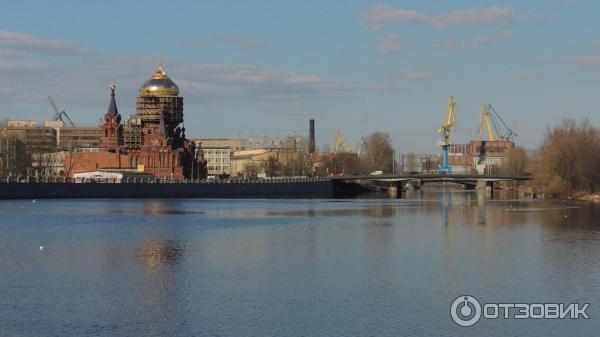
<point x="489" y="188"/>
<point x="395" y="190"/>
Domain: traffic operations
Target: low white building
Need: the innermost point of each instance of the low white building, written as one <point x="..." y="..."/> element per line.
<point x="218" y="160"/>
<point x="110" y="175"/>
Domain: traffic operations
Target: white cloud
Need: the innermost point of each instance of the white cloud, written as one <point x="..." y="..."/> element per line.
<point x="389" y="44"/>
<point x="22" y="41"/>
<point x="81" y="86"/>
<point x="196" y="42"/>
<point x="500" y="16"/>
<point x="385" y="87"/>
<point x="528" y="76"/>
<point x="491" y="39"/>
<point x="479" y="40"/>
<point x="449" y="44"/>
<point x="226" y="40"/>
<point x="243" y="43"/>
<point x="85" y="83"/>
<point x="591" y="61"/>
<point x="379" y="15"/>
<point x="415" y="75"/>
<point x="12" y="53"/>
<point x="21" y="65"/>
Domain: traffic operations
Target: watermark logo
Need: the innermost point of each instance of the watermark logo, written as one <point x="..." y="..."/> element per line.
<point x="467" y="310"/>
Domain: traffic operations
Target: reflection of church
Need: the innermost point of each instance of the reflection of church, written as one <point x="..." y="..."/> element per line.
<point x="151" y="140"/>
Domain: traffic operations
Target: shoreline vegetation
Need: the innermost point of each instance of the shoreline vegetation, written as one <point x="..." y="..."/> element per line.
<point x="566" y="164"/>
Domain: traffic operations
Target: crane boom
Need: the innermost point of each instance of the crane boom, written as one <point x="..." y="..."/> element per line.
<point x="56" y="112"/>
<point x="359" y="146"/>
<point x="58" y="115"/>
<point x="510" y="135"/>
<point x="486" y="122"/>
<point x="446" y="129"/>
<point x="494" y="124"/>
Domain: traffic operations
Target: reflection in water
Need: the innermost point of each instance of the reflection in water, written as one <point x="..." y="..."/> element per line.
<point x="155" y="253"/>
<point x="386" y="267"/>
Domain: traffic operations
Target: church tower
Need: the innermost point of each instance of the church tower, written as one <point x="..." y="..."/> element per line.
<point x="159" y="98"/>
<point x="112" y="139"/>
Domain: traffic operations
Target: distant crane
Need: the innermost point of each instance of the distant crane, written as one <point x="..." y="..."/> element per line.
<point x="59" y="115"/>
<point x="497" y="129"/>
<point x="340" y="143"/>
<point x="446" y="131"/>
<point x="359" y="146"/>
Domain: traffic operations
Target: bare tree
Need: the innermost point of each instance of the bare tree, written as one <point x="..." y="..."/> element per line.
<point x="516" y="161"/>
<point x="378" y="153"/>
<point x="272" y="167"/>
<point x="251" y="170"/>
<point x="569" y="158"/>
<point x="343" y="163"/>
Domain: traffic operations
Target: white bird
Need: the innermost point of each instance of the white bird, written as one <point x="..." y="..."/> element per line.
<point x="32" y="201"/>
<point x="41" y="247"/>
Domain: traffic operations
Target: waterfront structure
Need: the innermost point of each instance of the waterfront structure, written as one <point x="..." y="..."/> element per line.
<point x="151" y="141"/>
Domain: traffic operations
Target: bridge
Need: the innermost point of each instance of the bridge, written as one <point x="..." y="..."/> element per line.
<point x="469" y="181"/>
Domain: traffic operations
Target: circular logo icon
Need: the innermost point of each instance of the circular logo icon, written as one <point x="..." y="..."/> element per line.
<point x="465" y="310"/>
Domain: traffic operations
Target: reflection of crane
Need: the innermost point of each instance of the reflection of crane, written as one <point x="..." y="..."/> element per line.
<point x="495" y="125"/>
<point x="446" y="131"/>
<point x="59" y="115"/>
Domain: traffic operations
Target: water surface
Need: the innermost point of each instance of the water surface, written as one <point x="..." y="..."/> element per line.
<point x="362" y="267"/>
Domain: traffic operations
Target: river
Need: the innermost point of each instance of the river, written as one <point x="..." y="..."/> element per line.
<point x="359" y="267"/>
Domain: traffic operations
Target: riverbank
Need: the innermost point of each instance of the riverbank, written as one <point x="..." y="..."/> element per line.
<point x="590" y="197"/>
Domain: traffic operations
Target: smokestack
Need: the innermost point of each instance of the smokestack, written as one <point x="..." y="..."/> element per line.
<point x="311" y="137"/>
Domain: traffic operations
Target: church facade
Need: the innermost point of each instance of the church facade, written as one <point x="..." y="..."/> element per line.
<point x="152" y="140"/>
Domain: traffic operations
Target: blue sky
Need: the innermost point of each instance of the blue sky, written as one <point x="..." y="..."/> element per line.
<point x="268" y="66"/>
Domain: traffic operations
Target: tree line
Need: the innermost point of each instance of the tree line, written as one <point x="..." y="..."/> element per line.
<point x="567" y="161"/>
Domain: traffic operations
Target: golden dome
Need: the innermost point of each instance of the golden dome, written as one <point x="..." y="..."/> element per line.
<point x="159" y="85"/>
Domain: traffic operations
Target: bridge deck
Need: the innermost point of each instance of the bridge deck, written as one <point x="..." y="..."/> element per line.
<point x="436" y="177"/>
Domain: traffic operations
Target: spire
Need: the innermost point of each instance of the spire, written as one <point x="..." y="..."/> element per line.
<point x="160" y="73"/>
<point x="112" y="106"/>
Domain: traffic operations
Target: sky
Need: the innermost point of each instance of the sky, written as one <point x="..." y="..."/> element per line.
<point x="266" y="67"/>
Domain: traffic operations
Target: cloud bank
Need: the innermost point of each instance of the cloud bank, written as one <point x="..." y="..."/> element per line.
<point x="378" y="16"/>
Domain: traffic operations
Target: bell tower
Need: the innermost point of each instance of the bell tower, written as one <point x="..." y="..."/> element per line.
<point x="112" y="139"/>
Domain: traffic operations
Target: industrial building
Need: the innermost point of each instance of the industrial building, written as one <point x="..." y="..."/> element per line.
<point x="29" y="149"/>
<point x="478" y="156"/>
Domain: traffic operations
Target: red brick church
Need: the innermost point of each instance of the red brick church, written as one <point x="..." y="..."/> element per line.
<point x="150" y="141"/>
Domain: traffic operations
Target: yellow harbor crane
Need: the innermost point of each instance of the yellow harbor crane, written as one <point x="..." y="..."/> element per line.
<point x="486" y="122"/>
<point x="494" y="124"/>
<point x="446" y="131"/>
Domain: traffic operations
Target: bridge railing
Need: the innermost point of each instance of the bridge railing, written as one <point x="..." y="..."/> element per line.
<point x="139" y="180"/>
<point x="435" y="176"/>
